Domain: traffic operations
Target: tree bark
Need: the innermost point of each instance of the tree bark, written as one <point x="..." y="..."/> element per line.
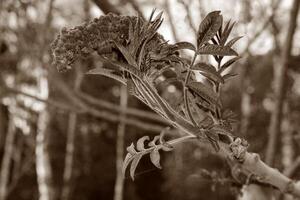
<point x="70" y="145"/>
<point x="279" y="81"/>
<point x="118" y="194"/>
<point x="43" y="167"/>
<point x="7" y="158"/>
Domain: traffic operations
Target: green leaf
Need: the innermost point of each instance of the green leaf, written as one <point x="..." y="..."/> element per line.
<point x="134" y="164"/>
<point x="140" y="143"/>
<point x="228" y="64"/>
<point x="108" y="73"/>
<point x="185" y="45"/>
<point x="209" y="71"/>
<point x="232" y="41"/>
<point x="217" y="50"/>
<point x="155" y="158"/>
<point x="209" y="27"/>
<point x="129" y="157"/>
<point x="204" y="92"/>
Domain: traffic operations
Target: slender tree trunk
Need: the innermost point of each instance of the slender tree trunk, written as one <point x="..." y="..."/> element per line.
<point x="279" y="81"/>
<point x="43" y="167"/>
<point x="118" y="195"/>
<point x="7" y="158"/>
<point x="70" y="146"/>
<point x="245" y="100"/>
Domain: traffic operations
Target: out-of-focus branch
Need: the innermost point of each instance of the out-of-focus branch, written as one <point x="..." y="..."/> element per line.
<point x="119" y="184"/>
<point x="92" y="111"/>
<point x="7" y="157"/>
<point x="136" y="7"/>
<point x="113" y="107"/>
<point x="262" y="29"/>
<point x="289" y="172"/>
<point x="188" y="15"/>
<point x="171" y="22"/>
<point x="280" y="85"/>
<point x="106" y="6"/>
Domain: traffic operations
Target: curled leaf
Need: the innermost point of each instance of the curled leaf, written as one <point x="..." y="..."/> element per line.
<point x="153" y="142"/>
<point x="155" y="158"/>
<point x="126" y="162"/>
<point x="140" y="143"/>
<point x="134" y="164"/>
<point x="131" y="149"/>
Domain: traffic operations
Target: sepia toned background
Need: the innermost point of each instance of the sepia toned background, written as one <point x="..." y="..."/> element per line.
<point x="64" y="135"/>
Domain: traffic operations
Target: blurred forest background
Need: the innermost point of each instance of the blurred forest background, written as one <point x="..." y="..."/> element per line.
<point x="63" y="135"/>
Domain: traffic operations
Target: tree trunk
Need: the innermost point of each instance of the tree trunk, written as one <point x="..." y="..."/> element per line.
<point x="70" y="146"/>
<point x="118" y="195"/>
<point x="7" y="157"/>
<point x="43" y="167"/>
<point x="279" y="82"/>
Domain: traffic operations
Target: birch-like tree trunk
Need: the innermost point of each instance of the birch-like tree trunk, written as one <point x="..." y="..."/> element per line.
<point x="118" y="194"/>
<point x="43" y="167"/>
<point x="70" y="145"/>
<point x="7" y="158"/>
<point x="280" y="86"/>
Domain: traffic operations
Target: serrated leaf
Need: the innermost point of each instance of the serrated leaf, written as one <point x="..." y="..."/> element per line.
<point x="228" y="76"/>
<point x="134" y="164"/>
<point x="209" y="27"/>
<point x="108" y="73"/>
<point x="153" y="142"/>
<point x="228" y="64"/>
<point x="204" y="92"/>
<point x="131" y="149"/>
<point x="217" y="50"/>
<point x="140" y="143"/>
<point x="185" y="45"/>
<point x="208" y="71"/>
<point x="126" y="162"/>
<point x="155" y="158"/>
<point x="232" y="41"/>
